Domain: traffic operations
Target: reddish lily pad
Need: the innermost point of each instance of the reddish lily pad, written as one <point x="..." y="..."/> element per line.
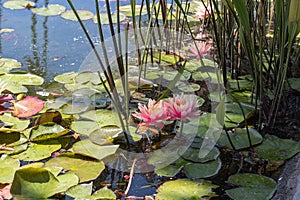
<point x="27" y="107"/>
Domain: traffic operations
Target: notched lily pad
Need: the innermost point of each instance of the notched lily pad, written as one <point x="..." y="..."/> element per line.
<point x="83" y="14"/>
<point x="68" y="77"/>
<point x="18" y="5"/>
<point x="185" y="189"/>
<point x="203" y="170"/>
<point x="50" y="10"/>
<point x="252" y="186"/>
<point x="274" y="148"/>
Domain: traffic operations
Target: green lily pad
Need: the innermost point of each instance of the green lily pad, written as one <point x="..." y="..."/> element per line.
<point x="8" y="166"/>
<point x="14" y="87"/>
<point x="80" y="191"/>
<point x="294" y="83"/>
<point x="12" y="138"/>
<point x="274" y="148"/>
<point x="68" y="77"/>
<point x="126" y="10"/>
<point x="84" y="127"/>
<point x="79" y="165"/>
<point x="165" y="59"/>
<point x="26" y="79"/>
<point x="86" y="147"/>
<point x="103" y="194"/>
<point x="18" y="5"/>
<point x="43" y="176"/>
<point x="14" y="149"/>
<point x="40" y="151"/>
<point x="104" y="18"/>
<point x="170" y="75"/>
<point x="234" y="114"/>
<point x="253" y="186"/>
<point x="47" y="131"/>
<point x="102" y="117"/>
<point x="7" y="64"/>
<point x="240" y="138"/>
<point x="185" y="189"/>
<point x="203" y="170"/>
<point x="105" y="135"/>
<point x="192" y="155"/>
<point x="83" y="14"/>
<point x="13" y="123"/>
<point x="34" y="183"/>
<point x="240" y="84"/>
<point x="188" y="87"/>
<point x="50" y="10"/>
<point x="87" y="76"/>
<point x="66" y="181"/>
<point x="172" y="169"/>
<point x="78" y="105"/>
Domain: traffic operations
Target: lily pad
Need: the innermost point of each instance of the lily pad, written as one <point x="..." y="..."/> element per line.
<point x="102" y="117"/>
<point x="240" y="138"/>
<point x="50" y="10"/>
<point x="188" y="87"/>
<point x="8" y="166"/>
<point x="47" y="131"/>
<point x="25" y="79"/>
<point x="34" y="183"/>
<point x="7" y="64"/>
<point x="80" y="191"/>
<point x="12" y="138"/>
<point x="126" y="10"/>
<point x="104" y="18"/>
<point x="84" y="127"/>
<point x="39" y="151"/>
<point x="252" y="186"/>
<point x="13" y="123"/>
<point x="105" y="135"/>
<point x="27" y="107"/>
<point x="104" y="194"/>
<point x="83" y="14"/>
<point x="274" y="148"/>
<point x="18" y="5"/>
<point x="66" y="181"/>
<point x="192" y="155"/>
<point x="185" y="189"/>
<point x="172" y="169"/>
<point x="294" y="83"/>
<point x="68" y="77"/>
<point x="87" y="76"/>
<point x="203" y="170"/>
<point x="86" y="147"/>
<point x="79" y="165"/>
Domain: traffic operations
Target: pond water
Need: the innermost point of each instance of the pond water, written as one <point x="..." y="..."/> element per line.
<point x="48" y="46"/>
<point x="51" y="45"/>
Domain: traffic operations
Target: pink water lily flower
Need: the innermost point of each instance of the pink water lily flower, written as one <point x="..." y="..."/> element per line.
<point x="181" y="107"/>
<point x="202" y="49"/>
<point x="153" y="114"/>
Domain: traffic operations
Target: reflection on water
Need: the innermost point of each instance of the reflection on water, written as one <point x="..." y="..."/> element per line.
<point x="46" y="46"/>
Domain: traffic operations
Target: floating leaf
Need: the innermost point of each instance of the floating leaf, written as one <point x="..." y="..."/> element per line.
<point x="39" y="151"/>
<point x="24" y="79"/>
<point x="193" y="155"/>
<point x="8" y="166"/>
<point x="7" y="64"/>
<point x="68" y="77"/>
<point x="240" y="138"/>
<point x="188" y="87"/>
<point x="102" y="117"/>
<point x="294" y="83"/>
<point x="50" y="10"/>
<point x="274" y="148"/>
<point x="172" y="169"/>
<point x="185" y="189"/>
<point x="83" y="14"/>
<point x="84" y="127"/>
<point x="105" y="135"/>
<point x="80" y="191"/>
<point x="104" y="194"/>
<point x="18" y="5"/>
<point x="234" y="114"/>
<point x="66" y="181"/>
<point x="47" y="131"/>
<point x="104" y="18"/>
<point x="203" y="170"/>
<point x="87" y="76"/>
<point x="126" y="10"/>
<point x="13" y="123"/>
<point x="34" y="183"/>
<point x="12" y="138"/>
<point x="86" y="147"/>
<point x="252" y="186"/>
<point x="79" y="165"/>
<point x="27" y="107"/>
